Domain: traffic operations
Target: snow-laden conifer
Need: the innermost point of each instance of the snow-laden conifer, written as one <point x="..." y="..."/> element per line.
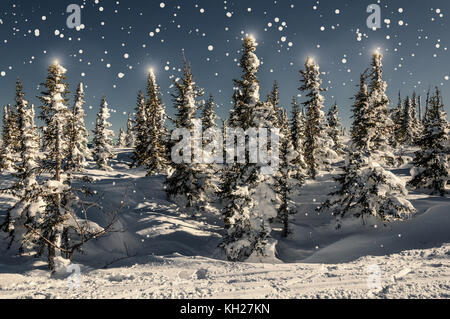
<point x="121" y="139"/>
<point x="334" y="128"/>
<point x="185" y="184"/>
<point x="431" y="163"/>
<point x="7" y="154"/>
<point x="103" y="138"/>
<point x="365" y="189"/>
<point x="379" y="112"/>
<point x="318" y="145"/>
<point x="156" y="161"/>
<point x="79" y="152"/>
<point x="251" y="200"/>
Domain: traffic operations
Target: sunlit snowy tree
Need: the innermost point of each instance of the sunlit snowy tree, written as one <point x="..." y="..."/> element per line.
<point x="7" y="154"/>
<point x="103" y="138"/>
<point x="431" y="163"/>
<point x="365" y="189"/>
<point x="185" y="183"/>
<point x="79" y="152"/>
<point x="334" y="128"/>
<point x="379" y="111"/>
<point x="318" y="145"/>
<point x="251" y="200"/>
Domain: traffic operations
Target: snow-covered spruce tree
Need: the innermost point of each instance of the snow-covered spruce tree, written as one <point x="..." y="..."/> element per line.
<point x="298" y="138"/>
<point x="138" y="136"/>
<point x="7" y="156"/>
<point x="289" y="174"/>
<point x="334" y="128"/>
<point x="416" y="114"/>
<point x="247" y="88"/>
<point x="297" y="126"/>
<point x="365" y="188"/>
<point x="274" y="98"/>
<point x="318" y="145"/>
<point x="56" y="191"/>
<point x="211" y="147"/>
<point x="397" y="120"/>
<point x="17" y="111"/>
<point x="103" y="138"/>
<point x="79" y="152"/>
<point x="250" y="197"/>
<point x="131" y="137"/>
<point x="409" y="124"/>
<point x="12" y="129"/>
<point x="30" y="205"/>
<point x="15" y="121"/>
<point x="51" y="223"/>
<point x="363" y="125"/>
<point x="56" y="116"/>
<point x="155" y="154"/>
<point x="427" y="104"/>
<point x="236" y="110"/>
<point x="379" y="102"/>
<point x="121" y="139"/>
<point x="431" y="163"/>
<point x="418" y="101"/>
<point x="185" y="183"/>
<point x="209" y="116"/>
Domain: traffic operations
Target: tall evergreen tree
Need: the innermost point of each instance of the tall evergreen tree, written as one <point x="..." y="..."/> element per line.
<point x="79" y="152"/>
<point x="427" y="104"/>
<point x="334" y="128"/>
<point x="274" y="98"/>
<point x="288" y="175"/>
<point x="30" y="205"/>
<point x="365" y="188"/>
<point x="250" y="197"/>
<point x="12" y="130"/>
<point x="419" y="109"/>
<point x="103" y="143"/>
<point x="409" y="123"/>
<point x="121" y="139"/>
<point x="139" y="132"/>
<point x="44" y="215"/>
<point x="318" y="145"/>
<point x="15" y="122"/>
<point x="298" y="138"/>
<point x="57" y="192"/>
<point x="247" y="88"/>
<point x="431" y="162"/>
<point x="7" y="157"/>
<point x="19" y="107"/>
<point x="415" y="114"/>
<point x="131" y="137"/>
<point x="363" y="124"/>
<point x="379" y="111"/>
<point x="185" y="183"/>
<point x="155" y="158"/>
<point x="212" y="148"/>
<point x="397" y="119"/>
<point x="56" y="116"/>
<point x="210" y="128"/>
<point x="209" y="116"/>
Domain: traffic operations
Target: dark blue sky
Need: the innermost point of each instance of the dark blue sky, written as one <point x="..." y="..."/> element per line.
<point x="416" y="54"/>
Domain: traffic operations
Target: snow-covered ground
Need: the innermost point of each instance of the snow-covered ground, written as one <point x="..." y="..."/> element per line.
<point x="160" y="252"/>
